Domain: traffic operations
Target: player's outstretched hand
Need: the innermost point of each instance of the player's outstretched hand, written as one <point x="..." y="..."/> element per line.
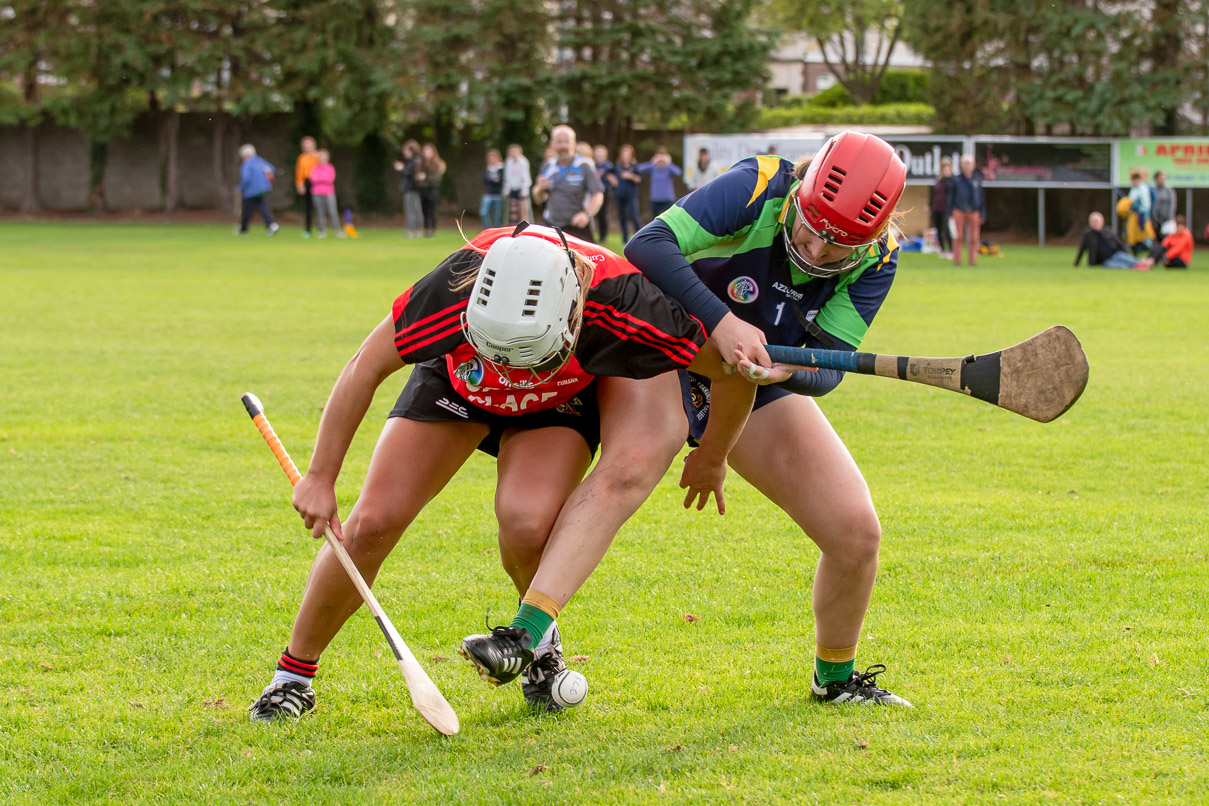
<point x="315" y="500"/>
<point x="702" y="476"/>
<point x="764" y="374"/>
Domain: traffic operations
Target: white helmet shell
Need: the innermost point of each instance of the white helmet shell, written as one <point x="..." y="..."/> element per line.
<point x="519" y="313"/>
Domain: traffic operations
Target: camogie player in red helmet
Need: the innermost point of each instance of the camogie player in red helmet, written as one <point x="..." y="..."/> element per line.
<point x="772" y="252"/>
<point x="534" y="348"/>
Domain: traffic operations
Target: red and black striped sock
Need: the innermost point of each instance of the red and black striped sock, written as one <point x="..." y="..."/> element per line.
<point x="301" y="670"/>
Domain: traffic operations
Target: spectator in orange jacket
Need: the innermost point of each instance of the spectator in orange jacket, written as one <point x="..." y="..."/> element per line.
<point x="307" y="160"/>
<point x="1176" y="249"/>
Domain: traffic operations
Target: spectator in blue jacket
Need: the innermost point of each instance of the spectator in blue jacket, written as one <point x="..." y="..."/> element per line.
<point x="968" y="209"/>
<point x="661" y="169"/>
<point x="255" y="181"/>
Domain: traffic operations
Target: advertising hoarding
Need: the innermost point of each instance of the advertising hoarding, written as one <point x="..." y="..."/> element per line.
<point x="1185" y="160"/>
<point x="1043" y="162"/>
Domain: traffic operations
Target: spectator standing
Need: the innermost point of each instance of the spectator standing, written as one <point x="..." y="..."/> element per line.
<point x="1140" y="238"/>
<point x="1164" y="207"/>
<point x="518" y="183"/>
<point x="604" y="172"/>
<point x="323" y="188"/>
<point x="1103" y="247"/>
<point x="968" y="209"/>
<point x="430" y="170"/>
<point x="569" y="187"/>
<point x="940" y="208"/>
<point x="700" y="172"/>
<point x="302" y="177"/>
<point x="661" y="171"/>
<point x="1141" y="198"/>
<point x="255" y="181"/>
<point x="413" y="210"/>
<point x="491" y="208"/>
<point x="626" y="190"/>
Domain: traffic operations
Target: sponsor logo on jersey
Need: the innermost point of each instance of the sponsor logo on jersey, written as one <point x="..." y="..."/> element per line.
<point x="796" y="296"/>
<point x="471" y="372"/>
<point x="743" y="289"/>
<point x="568" y="381"/>
<point x="509" y="402"/>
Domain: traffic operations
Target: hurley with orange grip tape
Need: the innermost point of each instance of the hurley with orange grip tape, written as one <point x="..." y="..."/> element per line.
<point x="425" y="696"/>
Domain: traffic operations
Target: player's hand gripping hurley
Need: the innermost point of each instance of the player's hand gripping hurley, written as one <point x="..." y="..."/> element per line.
<point x="425" y="696"/>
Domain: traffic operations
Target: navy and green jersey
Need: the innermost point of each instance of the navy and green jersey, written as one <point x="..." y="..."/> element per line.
<point x="730" y="233"/>
<point x="721" y="249"/>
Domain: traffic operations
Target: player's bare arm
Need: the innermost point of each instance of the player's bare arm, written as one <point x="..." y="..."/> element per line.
<point x="731" y="398"/>
<point x="315" y="495"/>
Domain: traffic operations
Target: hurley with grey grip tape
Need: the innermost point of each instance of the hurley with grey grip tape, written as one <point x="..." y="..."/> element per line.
<point x="1039" y="378"/>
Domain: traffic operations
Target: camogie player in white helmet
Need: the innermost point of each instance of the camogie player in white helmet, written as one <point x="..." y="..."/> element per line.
<point x="534" y="348"/>
<point x="795" y="254"/>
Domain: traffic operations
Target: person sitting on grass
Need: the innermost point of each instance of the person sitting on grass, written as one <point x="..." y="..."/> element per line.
<point x="1175" y="251"/>
<point x="1105" y="248"/>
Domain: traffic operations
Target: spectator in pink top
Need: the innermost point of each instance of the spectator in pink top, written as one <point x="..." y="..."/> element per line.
<point x="323" y="189"/>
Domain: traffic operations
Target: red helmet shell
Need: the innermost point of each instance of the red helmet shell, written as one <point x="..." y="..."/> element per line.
<point x="851" y="188"/>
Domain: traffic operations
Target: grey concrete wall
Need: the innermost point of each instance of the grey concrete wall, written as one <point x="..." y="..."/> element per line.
<point x="134" y="165"/>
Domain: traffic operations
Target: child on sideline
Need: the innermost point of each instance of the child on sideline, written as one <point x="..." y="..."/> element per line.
<point x="1140" y="196"/>
<point x="323" y="187"/>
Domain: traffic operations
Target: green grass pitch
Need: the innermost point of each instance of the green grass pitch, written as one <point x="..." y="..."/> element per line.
<point x="1042" y="595"/>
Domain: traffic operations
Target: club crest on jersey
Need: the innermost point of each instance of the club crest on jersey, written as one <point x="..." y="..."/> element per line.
<point x="470" y="372"/>
<point x="570" y="407"/>
<point x="743" y="289"/>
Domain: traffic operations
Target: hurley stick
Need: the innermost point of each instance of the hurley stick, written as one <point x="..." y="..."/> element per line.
<point x="1039" y="378"/>
<point x="425" y="696"/>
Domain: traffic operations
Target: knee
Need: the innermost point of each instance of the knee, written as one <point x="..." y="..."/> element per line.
<point x="524" y="527"/>
<point x="858" y="541"/>
<point x="373" y="533"/>
<point x="638" y="464"/>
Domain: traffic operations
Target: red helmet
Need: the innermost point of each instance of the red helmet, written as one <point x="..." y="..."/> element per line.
<point x="846" y="197"/>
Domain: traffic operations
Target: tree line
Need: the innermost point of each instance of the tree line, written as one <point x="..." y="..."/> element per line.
<point x="373" y="72"/>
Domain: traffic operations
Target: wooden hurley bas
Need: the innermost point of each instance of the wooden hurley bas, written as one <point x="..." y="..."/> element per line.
<point x="1039" y="378"/>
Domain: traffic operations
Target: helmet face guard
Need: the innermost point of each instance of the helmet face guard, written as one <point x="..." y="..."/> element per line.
<point x="517" y="375"/>
<point x="846" y="198"/>
<point x="521" y="315"/>
<point x="855" y="253"/>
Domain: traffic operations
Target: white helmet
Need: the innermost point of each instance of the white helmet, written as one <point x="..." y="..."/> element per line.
<point x="520" y="312"/>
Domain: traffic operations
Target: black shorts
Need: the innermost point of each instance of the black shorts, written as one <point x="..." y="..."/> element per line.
<point x="429" y="397"/>
<point x="694" y="389"/>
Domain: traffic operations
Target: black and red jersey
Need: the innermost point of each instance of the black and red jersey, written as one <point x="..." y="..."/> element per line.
<point x="631" y="329"/>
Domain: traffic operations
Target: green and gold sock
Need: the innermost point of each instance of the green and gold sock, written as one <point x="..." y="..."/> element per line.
<point x="537" y="612"/>
<point x="834" y="665"/>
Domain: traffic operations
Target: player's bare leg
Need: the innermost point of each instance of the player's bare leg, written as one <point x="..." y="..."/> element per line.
<point x="412" y="462"/>
<point x="538" y="469"/>
<point x="642" y="428"/>
<point x="791" y="454"/>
